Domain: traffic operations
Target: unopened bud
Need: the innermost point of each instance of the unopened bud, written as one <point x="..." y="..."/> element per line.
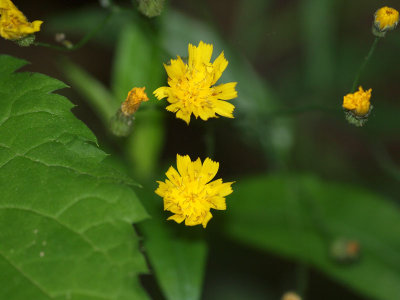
<point x="105" y="3"/>
<point x="122" y="122"/>
<point x="60" y="37"/>
<point x="357" y="106"/>
<point x="290" y="296"/>
<point x="386" y="18"/>
<point x="345" y="250"/>
<point x="151" y="8"/>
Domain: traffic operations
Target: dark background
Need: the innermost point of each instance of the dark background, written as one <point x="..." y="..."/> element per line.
<point x="308" y="52"/>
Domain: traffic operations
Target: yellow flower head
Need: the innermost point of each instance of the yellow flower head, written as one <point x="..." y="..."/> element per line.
<point x="358" y="102"/>
<point x="191" y="86"/>
<point x="189" y="194"/>
<point x="386" y="18"/>
<point x="13" y="23"/>
<point x="135" y="97"/>
<point x="291" y="296"/>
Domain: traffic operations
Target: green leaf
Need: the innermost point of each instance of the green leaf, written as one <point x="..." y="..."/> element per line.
<point x="177" y="253"/>
<point x="93" y="91"/>
<point x="137" y="63"/>
<point x="65" y="212"/>
<point x="299" y="217"/>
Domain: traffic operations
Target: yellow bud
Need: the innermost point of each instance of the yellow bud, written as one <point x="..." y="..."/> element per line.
<point x="291" y="296"/>
<point x="386" y="18"/>
<point x="358" y="102"/>
<point x="357" y="106"/>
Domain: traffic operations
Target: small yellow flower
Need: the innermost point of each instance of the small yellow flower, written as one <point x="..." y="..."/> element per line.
<point x="190" y="194"/>
<point x="192" y="86"/>
<point x="291" y="296"/>
<point x="358" y="102"/>
<point x="135" y="97"/>
<point x="386" y="18"/>
<point x="13" y="23"/>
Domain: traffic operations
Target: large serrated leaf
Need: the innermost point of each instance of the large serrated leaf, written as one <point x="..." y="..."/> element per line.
<point x="65" y="213"/>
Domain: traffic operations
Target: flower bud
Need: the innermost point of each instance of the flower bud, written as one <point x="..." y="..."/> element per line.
<point x="151" y="8"/>
<point x="357" y="106"/>
<point x="345" y="250"/>
<point x="386" y="18"/>
<point x="122" y="122"/>
<point x="290" y="296"/>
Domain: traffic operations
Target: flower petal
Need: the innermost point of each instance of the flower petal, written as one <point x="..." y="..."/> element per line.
<point x="225" y="91"/>
<point x="223" y="108"/>
<point x="177" y="218"/>
<point x="219" y="66"/>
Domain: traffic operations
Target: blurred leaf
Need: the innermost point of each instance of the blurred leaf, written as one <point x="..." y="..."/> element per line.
<point x="318" y="21"/>
<point x="299" y="217"/>
<point x="78" y="22"/>
<point x="146" y="142"/>
<point x="250" y="17"/>
<point x="384" y="120"/>
<point x="177" y="253"/>
<point x="255" y="98"/>
<point x="137" y="61"/>
<point x="92" y="90"/>
<point x="66" y="213"/>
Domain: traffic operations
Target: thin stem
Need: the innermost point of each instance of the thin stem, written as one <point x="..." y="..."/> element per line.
<point x="302" y="279"/>
<point x="86" y="38"/>
<point x="366" y="59"/>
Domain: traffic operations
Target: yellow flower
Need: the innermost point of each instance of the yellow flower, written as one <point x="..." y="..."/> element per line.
<point x="13" y="23"/>
<point x="135" y="97"/>
<point x="358" y="102"/>
<point x="386" y="18"/>
<point x="191" y="86"/>
<point x="291" y="296"/>
<point x="189" y="194"/>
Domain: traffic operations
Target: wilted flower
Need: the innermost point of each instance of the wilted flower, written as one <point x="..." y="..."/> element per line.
<point x="122" y="122"/>
<point x="132" y="102"/>
<point x="13" y="23"/>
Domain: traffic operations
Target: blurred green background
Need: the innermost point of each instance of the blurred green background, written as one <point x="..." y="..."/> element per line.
<point x="305" y="178"/>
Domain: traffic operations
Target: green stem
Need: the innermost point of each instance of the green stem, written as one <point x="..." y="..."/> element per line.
<point x="86" y="38"/>
<point x="366" y="59"/>
<point x="302" y="280"/>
